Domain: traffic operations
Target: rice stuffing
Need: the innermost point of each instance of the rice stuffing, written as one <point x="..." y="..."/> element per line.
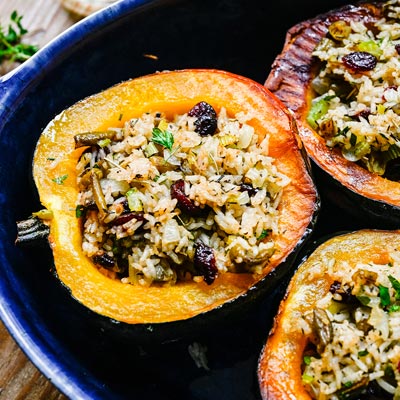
<point x="190" y="197"/>
<point x="355" y="332"/>
<point x="356" y="108"/>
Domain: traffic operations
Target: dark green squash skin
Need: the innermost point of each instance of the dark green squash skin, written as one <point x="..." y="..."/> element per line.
<point x="290" y="78"/>
<point x="360" y="210"/>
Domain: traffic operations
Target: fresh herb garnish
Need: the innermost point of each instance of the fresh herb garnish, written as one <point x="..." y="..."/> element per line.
<point x="264" y="234"/>
<point x="394" y="308"/>
<point x="307" y="360"/>
<point x="79" y="211"/>
<point x="362" y="353"/>
<point x="60" y="179"/>
<point x="11" y="47"/>
<point x="164" y="138"/>
<point x="384" y="295"/>
<point x="364" y="300"/>
<point x="353" y="139"/>
<point x="396" y="286"/>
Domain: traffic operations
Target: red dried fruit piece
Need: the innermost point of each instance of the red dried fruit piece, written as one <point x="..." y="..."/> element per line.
<point x="126" y="217"/>
<point x="104" y="259"/>
<point x="359" y="61"/>
<point x="204" y="262"/>
<point x="362" y="114"/>
<point x="206" y="122"/>
<point x="184" y="203"/>
<point x="249" y="188"/>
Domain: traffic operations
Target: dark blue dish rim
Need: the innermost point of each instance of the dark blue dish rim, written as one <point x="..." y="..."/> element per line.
<point x="69" y="379"/>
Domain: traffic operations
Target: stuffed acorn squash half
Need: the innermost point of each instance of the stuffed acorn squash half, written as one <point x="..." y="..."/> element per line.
<point x="339" y="74"/>
<point x="337" y="331"/>
<point x="174" y="195"/>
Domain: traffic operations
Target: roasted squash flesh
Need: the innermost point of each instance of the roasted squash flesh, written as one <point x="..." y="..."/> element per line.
<point x="171" y="93"/>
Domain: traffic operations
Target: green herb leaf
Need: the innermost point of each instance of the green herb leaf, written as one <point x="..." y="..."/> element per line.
<point x="60" y="179"/>
<point x="384" y="295"/>
<point x="396" y="286"/>
<point x="364" y="300"/>
<point x="362" y="353"/>
<point x="164" y="138"/>
<point x="79" y="211"/>
<point x="264" y="234"/>
<point x="307" y="360"/>
<point x="353" y="139"/>
<point x="394" y="308"/>
<point x="11" y="47"/>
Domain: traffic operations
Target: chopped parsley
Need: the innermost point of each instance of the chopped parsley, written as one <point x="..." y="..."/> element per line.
<point x="384" y="295"/>
<point x="307" y="360"/>
<point x="264" y="234"/>
<point x="163" y="137"/>
<point x="364" y="300"/>
<point x="396" y="286"/>
<point x="60" y="179"/>
<point x="79" y="211"/>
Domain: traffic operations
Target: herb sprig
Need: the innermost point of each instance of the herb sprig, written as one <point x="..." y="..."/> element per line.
<point x="163" y="137"/>
<point x="11" y="47"/>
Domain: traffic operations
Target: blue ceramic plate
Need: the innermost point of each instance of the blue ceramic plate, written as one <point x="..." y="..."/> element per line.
<point x="111" y="46"/>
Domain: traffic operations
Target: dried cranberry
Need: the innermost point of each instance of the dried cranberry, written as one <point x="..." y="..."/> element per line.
<point x="184" y="203"/>
<point x="346" y="295"/>
<point x="335" y="287"/>
<point x="397" y="47"/>
<point x="206" y="122"/>
<point x="359" y="61"/>
<point x="362" y="114"/>
<point x="204" y="262"/>
<point x="104" y="259"/>
<point x="126" y="217"/>
<point x="249" y="188"/>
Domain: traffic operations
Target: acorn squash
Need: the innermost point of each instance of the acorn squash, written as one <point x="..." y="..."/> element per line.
<point x="54" y="170"/>
<point x="341" y="302"/>
<point x="360" y="177"/>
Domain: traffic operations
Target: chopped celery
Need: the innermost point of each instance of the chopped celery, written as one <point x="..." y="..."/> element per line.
<point x="134" y="202"/>
<point x="104" y="142"/>
<point x="371" y="47"/>
<point x="319" y="108"/>
<point x="150" y="150"/>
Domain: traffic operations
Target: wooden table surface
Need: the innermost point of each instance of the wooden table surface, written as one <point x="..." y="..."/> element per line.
<point x="19" y="378"/>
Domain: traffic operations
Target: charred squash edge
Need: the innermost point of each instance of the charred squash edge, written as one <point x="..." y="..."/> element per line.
<point x="171" y="92"/>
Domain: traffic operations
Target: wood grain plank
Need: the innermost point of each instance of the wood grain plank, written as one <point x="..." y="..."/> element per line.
<point x="44" y="20"/>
